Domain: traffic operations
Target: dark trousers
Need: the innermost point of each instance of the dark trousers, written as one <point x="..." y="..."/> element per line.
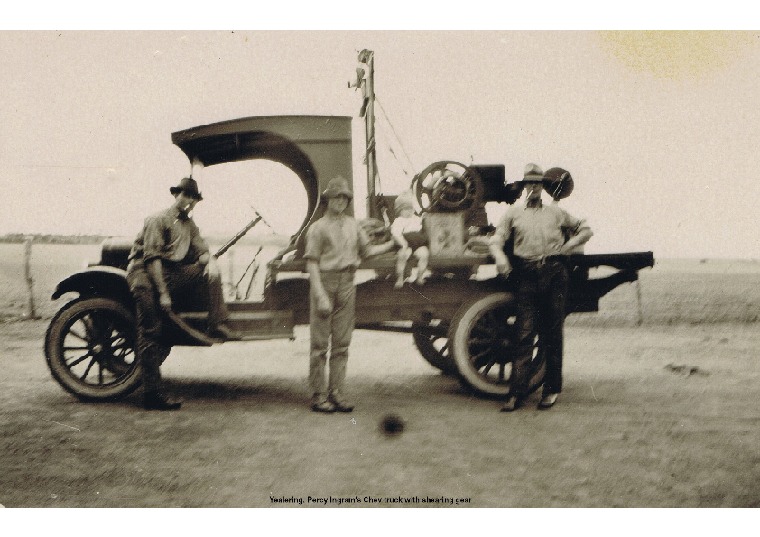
<point x="190" y="290"/>
<point x="541" y="298"/>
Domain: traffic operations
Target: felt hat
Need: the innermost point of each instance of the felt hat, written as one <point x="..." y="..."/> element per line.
<point x="533" y="174"/>
<point x="189" y="186"/>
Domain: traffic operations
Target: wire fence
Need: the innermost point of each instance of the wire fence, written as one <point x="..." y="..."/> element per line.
<point x="673" y="292"/>
<point x="30" y="272"/>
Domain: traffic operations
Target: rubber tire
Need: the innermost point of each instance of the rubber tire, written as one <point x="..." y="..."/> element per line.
<point x="433" y="356"/>
<point x="54" y="339"/>
<point x="459" y="332"/>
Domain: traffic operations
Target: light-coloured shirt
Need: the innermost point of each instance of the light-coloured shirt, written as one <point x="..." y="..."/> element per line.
<point x="169" y="235"/>
<point x="538" y="232"/>
<point x="336" y="242"/>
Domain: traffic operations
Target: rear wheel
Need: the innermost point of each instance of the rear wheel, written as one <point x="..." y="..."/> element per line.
<point x="432" y="340"/>
<point x="483" y="339"/>
<point x="90" y="349"/>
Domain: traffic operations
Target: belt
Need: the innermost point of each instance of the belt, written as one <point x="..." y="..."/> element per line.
<point x="138" y="262"/>
<point x="338" y="271"/>
<point x="527" y="264"/>
<point x="171" y="263"/>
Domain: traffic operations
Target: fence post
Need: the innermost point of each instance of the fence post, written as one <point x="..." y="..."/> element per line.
<point x="231" y="289"/>
<point x="640" y="308"/>
<point x="31" y="311"/>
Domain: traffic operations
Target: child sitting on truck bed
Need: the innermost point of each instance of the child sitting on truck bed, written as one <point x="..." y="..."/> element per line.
<point x="408" y="232"/>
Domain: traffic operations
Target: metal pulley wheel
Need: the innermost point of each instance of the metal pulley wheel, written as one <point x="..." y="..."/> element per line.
<point x="447" y="186"/>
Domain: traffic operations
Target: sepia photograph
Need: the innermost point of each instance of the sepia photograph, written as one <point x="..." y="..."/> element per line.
<point x="379" y="268"/>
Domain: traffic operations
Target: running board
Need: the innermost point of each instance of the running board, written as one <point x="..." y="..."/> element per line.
<point x="252" y="325"/>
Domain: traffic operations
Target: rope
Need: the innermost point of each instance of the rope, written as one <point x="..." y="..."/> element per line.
<point x="393" y="129"/>
<point x="393" y="153"/>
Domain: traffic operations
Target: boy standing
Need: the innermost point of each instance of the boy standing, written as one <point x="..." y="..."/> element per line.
<point x="335" y="245"/>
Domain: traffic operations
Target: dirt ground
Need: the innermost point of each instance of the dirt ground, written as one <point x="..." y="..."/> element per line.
<point x="649" y="417"/>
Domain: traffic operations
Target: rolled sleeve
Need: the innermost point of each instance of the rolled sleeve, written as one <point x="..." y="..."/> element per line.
<point x="313" y="249"/>
<point x="503" y="231"/>
<point x="572" y="223"/>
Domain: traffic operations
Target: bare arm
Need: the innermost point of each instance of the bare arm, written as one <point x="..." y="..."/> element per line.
<point x="398" y="235"/>
<point x="500" y="258"/>
<point x="324" y="306"/>
<point x="377" y="249"/>
<point x="400" y="240"/>
<point x="579" y="238"/>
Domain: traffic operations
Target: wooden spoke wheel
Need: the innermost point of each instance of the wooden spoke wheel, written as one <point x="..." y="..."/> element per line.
<point x="432" y="340"/>
<point x="483" y="341"/>
<point x="90" y="349"/>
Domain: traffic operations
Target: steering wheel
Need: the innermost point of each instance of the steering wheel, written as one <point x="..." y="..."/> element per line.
<point x="447" y="185"/>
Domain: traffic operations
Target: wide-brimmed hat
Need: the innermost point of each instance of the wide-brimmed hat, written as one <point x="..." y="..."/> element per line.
<point x="189" y="186"/>
<point x="337" y="186"/>
<point x="558" y="183"/>
<point x="533" y="174"/>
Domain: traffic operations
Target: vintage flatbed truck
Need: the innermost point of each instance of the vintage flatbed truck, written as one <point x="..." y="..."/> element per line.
<point x="462" y="320"/>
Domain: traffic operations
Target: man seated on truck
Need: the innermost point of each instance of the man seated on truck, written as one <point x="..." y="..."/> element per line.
<point x="542" y="283"/>
<point x="170" y="262"/>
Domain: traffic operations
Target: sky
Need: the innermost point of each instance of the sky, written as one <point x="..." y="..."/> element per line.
<point x="659" y="129"/>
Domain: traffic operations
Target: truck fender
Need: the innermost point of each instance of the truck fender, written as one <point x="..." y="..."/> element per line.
<point x="98" y="280"/>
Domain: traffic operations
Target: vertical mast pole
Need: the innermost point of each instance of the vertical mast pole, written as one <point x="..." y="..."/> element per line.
<point x="367" y="57"/>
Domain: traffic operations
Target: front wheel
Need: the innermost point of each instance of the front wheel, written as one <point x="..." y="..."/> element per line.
<point x="483" y="340"/>
<point x="90" y="349"/>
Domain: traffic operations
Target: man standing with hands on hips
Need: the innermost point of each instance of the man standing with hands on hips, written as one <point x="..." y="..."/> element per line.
<point x="335" y="245"/>
<point x="542" y="281"/>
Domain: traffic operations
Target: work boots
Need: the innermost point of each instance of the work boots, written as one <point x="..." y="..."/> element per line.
<point x="320" y="403"/>
<point x="341" y="405"/>
<point x="158" y="401"/>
